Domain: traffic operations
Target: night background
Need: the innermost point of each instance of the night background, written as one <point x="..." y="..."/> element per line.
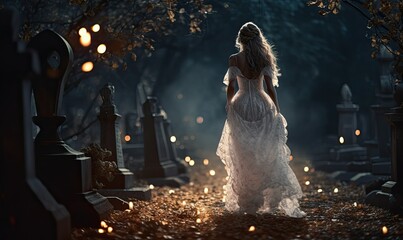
<point x="316" y="56"/>
<point x="177" y="51"/>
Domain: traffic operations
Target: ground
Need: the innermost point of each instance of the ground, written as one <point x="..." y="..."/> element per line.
<point x="196" y="211"/>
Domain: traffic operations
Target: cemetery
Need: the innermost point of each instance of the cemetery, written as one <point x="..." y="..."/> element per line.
<point x="111" y="123"/>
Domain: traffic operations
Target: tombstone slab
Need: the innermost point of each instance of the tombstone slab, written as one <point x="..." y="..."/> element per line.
<point x="122" y="185"/>
<point x="159" y="166"/>
<point x="65" y="171"/>
<point x="28" y="210"/>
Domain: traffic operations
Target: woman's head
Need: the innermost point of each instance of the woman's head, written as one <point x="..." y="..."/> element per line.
<point x="257" y="50"/>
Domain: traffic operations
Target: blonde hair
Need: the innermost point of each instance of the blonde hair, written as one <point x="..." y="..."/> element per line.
<point x="257" y="49"/>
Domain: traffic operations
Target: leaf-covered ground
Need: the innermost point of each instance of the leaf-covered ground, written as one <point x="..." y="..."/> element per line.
<point x="196" y="211"/>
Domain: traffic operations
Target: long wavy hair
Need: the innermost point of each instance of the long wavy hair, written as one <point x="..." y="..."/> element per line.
<point x="258" y="51"/>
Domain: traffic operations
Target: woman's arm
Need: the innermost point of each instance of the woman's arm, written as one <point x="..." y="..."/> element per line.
<point x="230" y="91"/>
<point x="271" y="91"/>
<point x="231" y="85"/>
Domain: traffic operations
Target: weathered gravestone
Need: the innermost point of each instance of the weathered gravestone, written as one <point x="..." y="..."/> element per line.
<point x="391" y="194"/>
<point x="28" y="210"/>
<point x="349" y="151"/>
<point x="182" y="169"/>
<point x="348" y="160"/>
<point x="160" y="168"/>
<point x="381" y="162"/>
<point x="64" y="171"/>
<point x="123" y="183"/>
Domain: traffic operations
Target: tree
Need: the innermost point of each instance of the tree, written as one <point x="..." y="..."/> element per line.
<point x="384" y="19"/>
<point x="123" y="27"/>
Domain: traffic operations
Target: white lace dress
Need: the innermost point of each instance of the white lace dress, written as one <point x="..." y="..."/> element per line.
<point x="254" y="151"/>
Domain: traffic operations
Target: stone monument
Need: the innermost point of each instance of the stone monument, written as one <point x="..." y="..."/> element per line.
<point x="391" y="194"/>
<point x="123" y="184"/>
<point x="381" y="163"/>
<point x="64" y="171"/>
<point x="348" y="150"/>
<point x="159" y="168"/>
<point x="28" y="210"/>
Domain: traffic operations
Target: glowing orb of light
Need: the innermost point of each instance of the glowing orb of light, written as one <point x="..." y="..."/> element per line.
<point x="341" y="140"/>
<point x="199" y="119"/>
<point x="205" y="161"/>
<point x="357" y="132"/>
<point x="172" y="139"/>
<point x="306" y="169"/>
<point x="212" y="172"/>
<point x="384" y="230"/>
<point x="127" y="138"/>
<point x="96" y="28"/>
<point x="101" y="48"/>
<point x="252" y="228"/>
<point x="82" y="31"/>
<point x="85" y="39"/>
<point x="87" y="67"/>
<point x="103" y="224"/>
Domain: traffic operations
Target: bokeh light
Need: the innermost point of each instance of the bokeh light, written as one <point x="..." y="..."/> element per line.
<point x="96" y="28"/>
<point x="87" y="67"/>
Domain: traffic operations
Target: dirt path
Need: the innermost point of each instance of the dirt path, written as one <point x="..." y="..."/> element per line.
<point x="196" y="211"/>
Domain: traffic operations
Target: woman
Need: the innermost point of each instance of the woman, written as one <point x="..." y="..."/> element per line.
<point x="253" y="142"/>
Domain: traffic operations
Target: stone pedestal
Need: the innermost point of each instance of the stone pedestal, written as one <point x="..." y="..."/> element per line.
<point x="64" y="171"/>
<point x="123" y="184"/>
<point x="159" y="168"/>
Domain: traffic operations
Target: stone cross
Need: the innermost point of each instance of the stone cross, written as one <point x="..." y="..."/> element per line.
<point x="65" y="171"/>
<point x="29" y="210"/>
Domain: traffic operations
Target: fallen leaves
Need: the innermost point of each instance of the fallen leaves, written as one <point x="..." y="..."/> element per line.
<point x="191" y="213"/>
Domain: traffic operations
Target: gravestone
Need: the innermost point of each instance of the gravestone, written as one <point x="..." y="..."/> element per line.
<point x="64" y="171"/>
<point x="28" y="210"/>
<point x="123" y="183"/>
<point x="381" y="163"/>
<point x="348" y="150"/>
<point x="348" y="155"/>
<point x="159" y="167"/>
<point x="391" y="194"/>
<point x="182" y="169"/>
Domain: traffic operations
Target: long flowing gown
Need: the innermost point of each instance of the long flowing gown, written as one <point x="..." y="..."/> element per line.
<point x="254" y="151"/>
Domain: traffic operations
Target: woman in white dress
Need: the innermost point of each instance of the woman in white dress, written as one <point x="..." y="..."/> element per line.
<point x="253" y="142"/>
